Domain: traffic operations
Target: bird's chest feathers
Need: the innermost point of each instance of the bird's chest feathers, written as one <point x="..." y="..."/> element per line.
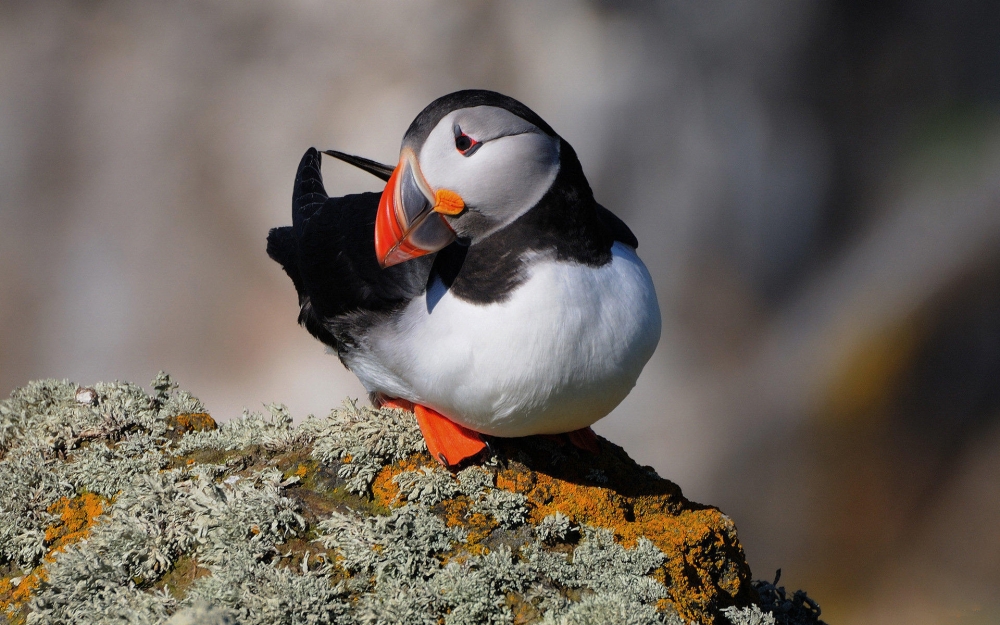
<point x="565" y="330"/>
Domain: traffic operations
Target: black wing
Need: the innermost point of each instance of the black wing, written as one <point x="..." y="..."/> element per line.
<point x="329" y="253"/>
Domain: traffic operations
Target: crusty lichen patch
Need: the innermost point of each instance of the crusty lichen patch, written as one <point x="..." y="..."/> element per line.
<point x="704" y="570"/>
<point x="140" y="508"/>
<point x="191" y="422"/>
<point x="76" y="516"/>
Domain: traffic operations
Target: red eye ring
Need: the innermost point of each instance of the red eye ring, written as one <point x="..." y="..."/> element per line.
<point x="464" y="143"/>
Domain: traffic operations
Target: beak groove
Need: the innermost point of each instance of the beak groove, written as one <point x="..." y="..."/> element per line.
<point x="410" y="220"/>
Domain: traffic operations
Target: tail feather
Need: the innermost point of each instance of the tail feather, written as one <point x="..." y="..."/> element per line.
<point x="308" y="194"/>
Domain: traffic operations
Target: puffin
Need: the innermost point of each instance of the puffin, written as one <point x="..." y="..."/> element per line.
<point x="484" y="289"/>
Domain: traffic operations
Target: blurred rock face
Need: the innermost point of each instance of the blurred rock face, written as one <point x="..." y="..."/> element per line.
<point x="814" y="188"/>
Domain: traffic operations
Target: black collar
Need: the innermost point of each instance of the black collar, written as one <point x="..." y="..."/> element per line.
<point x="566" y="225"/>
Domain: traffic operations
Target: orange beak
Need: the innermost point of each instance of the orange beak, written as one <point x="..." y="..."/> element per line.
<point x="410" y="220"/>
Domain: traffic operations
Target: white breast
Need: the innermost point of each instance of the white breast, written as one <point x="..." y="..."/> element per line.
<point x="558" y="355"/>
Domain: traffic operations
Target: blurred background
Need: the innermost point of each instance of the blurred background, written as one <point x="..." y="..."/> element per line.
<point x="815" y="187"/>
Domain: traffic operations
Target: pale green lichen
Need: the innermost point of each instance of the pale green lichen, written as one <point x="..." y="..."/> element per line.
<point x="28" y="486"/>
<point x="554" y="527"/>
<point x="253" y="591"/>
<point x="272" y="431"/>
<point x="752" y="615"/>
<point x="509" y="509"/>
<point x="397" y="566"/>
<point x="604" y="566"/>
<point x="475" y="480"/>
<point x="400" y="546"/>
<point x="149" y="526"/>
<point x="107" y="470"/>
<point x="434" y="485"/>
<point x="250" y="556"/>
<point x="53" y="445"/>
<point x="605" y="609"/>
<point x="430" y="485"/>
<point x="202" y="614"/>
<point x="365" y="440"/>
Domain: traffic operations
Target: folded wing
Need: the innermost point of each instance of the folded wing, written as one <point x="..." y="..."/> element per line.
<point x="329" y="253"/>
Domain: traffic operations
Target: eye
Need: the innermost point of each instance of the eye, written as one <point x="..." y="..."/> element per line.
<point x="464" y="143"/>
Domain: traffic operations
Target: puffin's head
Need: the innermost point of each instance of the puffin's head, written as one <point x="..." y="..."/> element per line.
<point x="471" y="162"/>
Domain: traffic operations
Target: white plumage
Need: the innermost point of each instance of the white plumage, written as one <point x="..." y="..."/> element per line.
<point x="560" y="353"/>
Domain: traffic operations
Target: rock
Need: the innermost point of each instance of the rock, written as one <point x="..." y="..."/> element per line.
<point x="140" y="508"/>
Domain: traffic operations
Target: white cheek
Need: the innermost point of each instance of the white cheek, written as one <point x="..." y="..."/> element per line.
<point x="513" y="173"/>
<point x="504" y="178"/>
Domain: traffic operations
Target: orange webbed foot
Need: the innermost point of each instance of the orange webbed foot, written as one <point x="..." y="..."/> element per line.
<point x="448" y="442"/>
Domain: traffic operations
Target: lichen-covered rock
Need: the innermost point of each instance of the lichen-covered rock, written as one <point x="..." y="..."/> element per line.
<point x="122" y="507"/>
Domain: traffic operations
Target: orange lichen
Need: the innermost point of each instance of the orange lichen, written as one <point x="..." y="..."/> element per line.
<point x="193" y="422"/>
<point x="384" y="491"/>
<point x="301" y="471"/>
<point x="457" y="512"/>
<point x="705" y="568"/>
<point x="14" y="597"/>
<point x="76" y="516"/>
<point x="477" y="525"/>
